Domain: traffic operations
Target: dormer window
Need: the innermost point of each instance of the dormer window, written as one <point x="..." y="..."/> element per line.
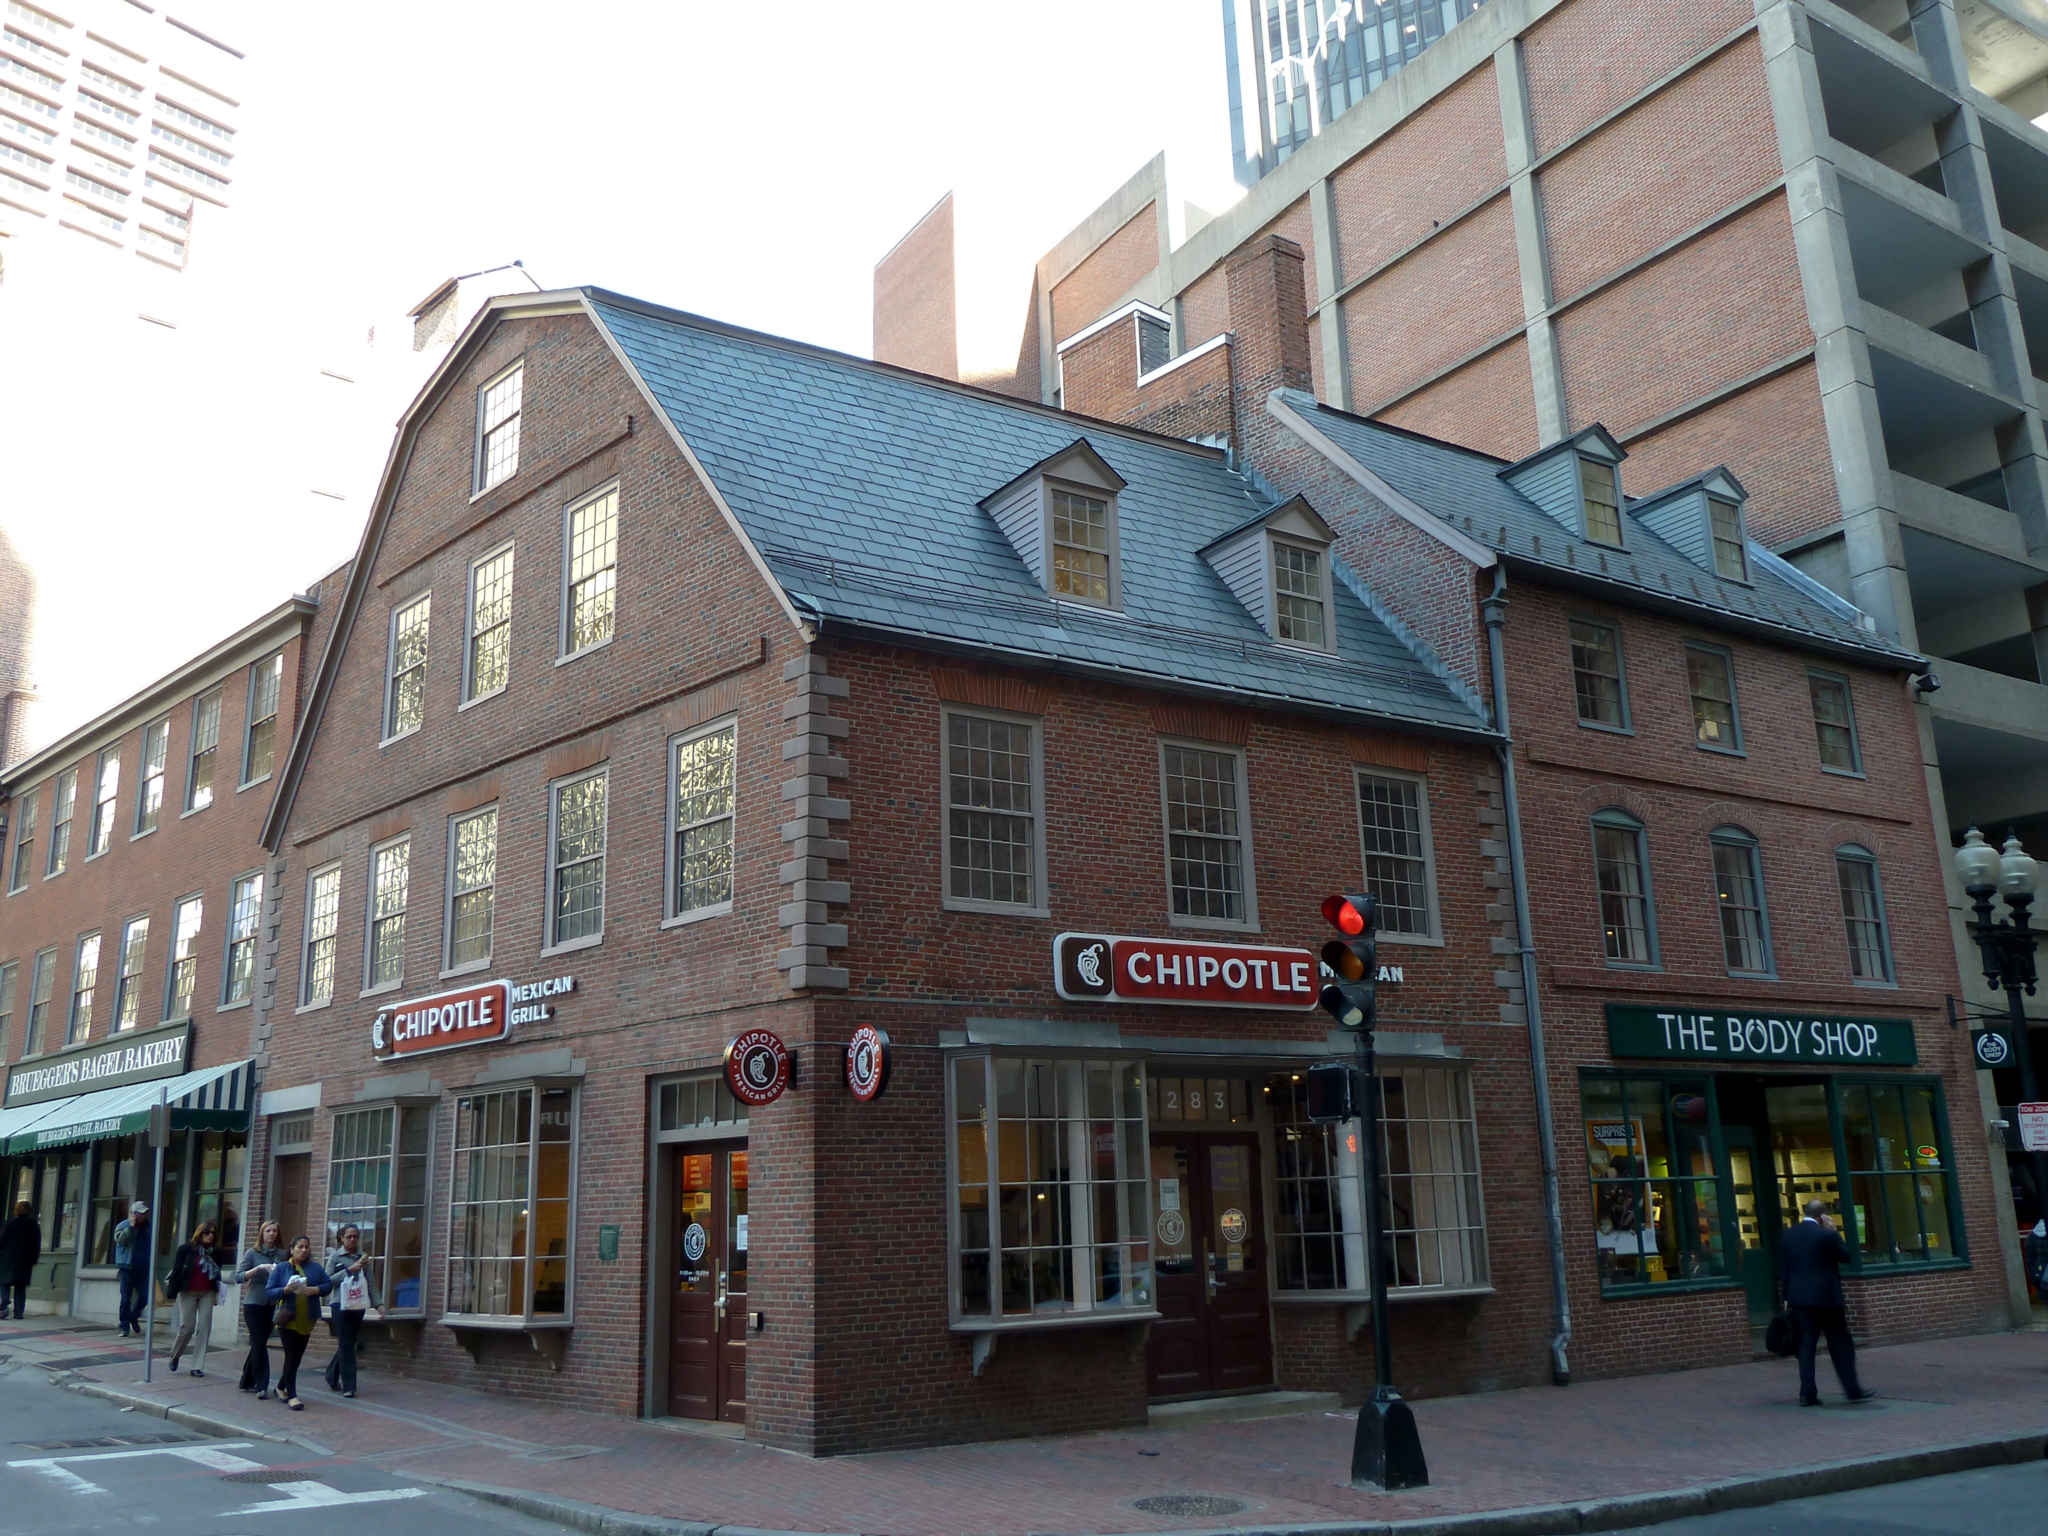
<point x="1060" y="517"/>
<point x="1603" y="501"/>
<point x="1278" y="565"/>
<point x="1300" y="604"/>
<point x="1731" y="553"/>
<point x="1080" y="547"/>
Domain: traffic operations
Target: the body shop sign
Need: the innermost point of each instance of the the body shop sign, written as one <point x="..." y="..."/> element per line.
<point x="468" y="1016"/>
<point x="1101" y="967"/>
<point x="1701" y="1032"/>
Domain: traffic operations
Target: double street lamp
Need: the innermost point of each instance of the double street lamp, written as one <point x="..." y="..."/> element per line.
<point x="2008" y="947"/>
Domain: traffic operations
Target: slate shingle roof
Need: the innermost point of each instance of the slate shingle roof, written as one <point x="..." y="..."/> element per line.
<point x="859" y="484"/>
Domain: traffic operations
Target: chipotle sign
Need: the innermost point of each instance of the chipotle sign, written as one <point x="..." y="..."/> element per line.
<point x="1103" y="967"/>
<point x="468" y="1016"/>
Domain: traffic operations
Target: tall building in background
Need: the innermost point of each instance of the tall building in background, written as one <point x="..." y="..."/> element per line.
<point x="117" y="125"/>
<point x="17" y="649"/>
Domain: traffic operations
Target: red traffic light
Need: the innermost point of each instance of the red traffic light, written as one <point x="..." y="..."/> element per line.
<point x="1353" y="914"/>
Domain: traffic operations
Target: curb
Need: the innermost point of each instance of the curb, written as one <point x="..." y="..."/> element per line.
<point x="183" y="1417"/>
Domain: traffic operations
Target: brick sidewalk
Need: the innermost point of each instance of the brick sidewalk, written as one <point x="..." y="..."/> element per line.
<point x="1495" y="1451"/>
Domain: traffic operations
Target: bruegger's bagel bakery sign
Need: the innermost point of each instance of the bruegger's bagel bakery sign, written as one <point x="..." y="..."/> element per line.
<point x="472" y="1015"/>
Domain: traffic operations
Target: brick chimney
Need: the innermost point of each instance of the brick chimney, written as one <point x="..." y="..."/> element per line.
<point x="1269" y="337"/>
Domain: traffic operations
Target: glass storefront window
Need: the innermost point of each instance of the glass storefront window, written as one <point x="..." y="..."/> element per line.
<point x="1899" y="1179"/>
<point x="219" y="1161"/>
<point x="114" y="1172"/>
<point x="1658" y="1213"/>
<point x="511" y="1211"/>
<point x="377" y="1181"/>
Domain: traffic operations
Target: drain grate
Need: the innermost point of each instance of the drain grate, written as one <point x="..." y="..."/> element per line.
<point x="1188" y="1504"/>
<point x="101" y="1442"/>
<point x="77" y="1362"/>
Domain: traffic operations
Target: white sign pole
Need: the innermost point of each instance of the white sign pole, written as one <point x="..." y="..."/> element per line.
<point x="159" y="1137"/>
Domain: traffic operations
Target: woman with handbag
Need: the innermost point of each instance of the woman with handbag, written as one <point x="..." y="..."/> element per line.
<point x="194" y="1280"/>
<point x="295" y="1289"/>
<point x="349" y="1267"/>
<point x="254" y="1274"/>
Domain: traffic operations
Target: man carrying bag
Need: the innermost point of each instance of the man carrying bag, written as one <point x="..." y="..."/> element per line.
<point x="1810" y="1258"/>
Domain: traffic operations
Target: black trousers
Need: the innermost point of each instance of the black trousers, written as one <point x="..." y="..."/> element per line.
<point x="256" y="1367"/>
<point x="294" y="1343"/>
<point x="1816" y="1323"/>
<point x="20" y="1294"/>
<point x="341" y="1370"/>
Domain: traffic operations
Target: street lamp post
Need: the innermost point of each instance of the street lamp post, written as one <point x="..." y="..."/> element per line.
<point x="2008" y="948"/>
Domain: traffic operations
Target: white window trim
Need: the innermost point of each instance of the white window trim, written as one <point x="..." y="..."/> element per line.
<point x="305" y="1005"/>
<point x="469" y="627"/>
<point x="1729" y="835"/>
<point x="1616" y="819"/>
<point x="250" y="721"/>
<point x="1739" y="748"/>
<point x="17" y="877"/>
<point x="43" y="1046"/>
<point x="1047" y="485"/>
<point x="477" y="488"/>
<point x="1620" y="503"/>
<point x="526" y="1320"/>
<point x="92" y="822"/>
<point x="1434" y="938"/>
<point x="370" y="988"/>
<point x="98" y="965"/>
<point x="404" y="606"/>
<point x="563" y="655"/>
<point x="448" y="893"/>
<point x="1747" y="578"/>
<point x="51" y="869"/>
<point x="227" y="943"/>
<point x="549" y="944"/>
<point x="1861" y="853"/>
<point x="1855" y="736"/>
<point x="1613" y="627"/>
<point x="171" y="958"/>
<point x="192" y="751"/>
<point x="947" y="900"/>
<point x="135" y="826"/>
<point x="670" y="917"/>
<point x="1323" y="554"/>
<point x="1250" y="921"/>
<point x="120" y="962"/>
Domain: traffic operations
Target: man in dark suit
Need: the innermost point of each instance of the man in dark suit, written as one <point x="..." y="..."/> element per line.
<point x="1810" y="1260"/>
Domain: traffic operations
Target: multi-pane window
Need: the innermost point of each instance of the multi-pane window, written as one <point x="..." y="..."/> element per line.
<point x="1393" y="819"/>
<point x="323" y="917"/>
<point x="511" y="1209"/>
<point x="24" y="840"/>
<point x="60" y="823"/>
<point x="1870" y="950"/>
<point x="576" y="836"/>
<point x="590" y="572"/>
<point x="1901" y="1183"/>
<point x="1299" y="614"/>
<point x="107" y="789"/>
<point x="1080" y="547"/>
<point x="405" y="691"/>
<point x="1658" y="1217"/>
<point x="205" y="741"/>
<point x="390" y="877"/>
<point x="259" y="736"/>
<point x="377" y="1175"/>
<point x="1597" y="678"/>
<point x="497" y="428"/>
<point x="701" y="814"/>
<point x="42" y="983"/>
<point x="1429" y="1187"/>
<point x="472" y="886"/>
<point x="992" y="811"/>
<point x="7" y="980"/>
<point x="149" y="796"/>
<point x="1621" y="867"/>
<point x="1834" y="722"/>
<point x="114" y="1185"/>
<point x="488" y="665"/>
<point x="1603" y="501"/>
<point x="1710" y="679"/>
<point x="1731" y="556"/>
<point x="85" y="981"/>
<point x="1051" y="1188"/>
<point x="245" y="916"/>
<point x="1739" y="891"/>
<point x="1207" y="877"/>
<point x="184" y="972"/>
<point x="128" y="985"/>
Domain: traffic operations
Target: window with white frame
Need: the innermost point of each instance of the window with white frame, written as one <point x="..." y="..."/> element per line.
<point x="1300" y="601"/>
<point x="1602" y="501"/>
<point x="1710" y="679"/>
<point x="149" y="795"/>
<point x="245" y="917"/>
<point x="487" y="666"/>
<point x="205" y="742"/>
<point x="512" y="1206"/>
<point x="590" y="569"/>
<point x="7" y="980"/>
<point x="85" y="981"/>
<point x="259" y="734"/>
<point x="1870" y="947"/>
<point x="24" y="839"/>
<point x="1834" y="722"/>
<point x="994" y="830"/>
<point x="472" y="887"/>
<point x="702" y="796"/>
<point x="1051" y="1190"/>
<point x="60" y="823"/>
<point x="1082" y="547"/>
<point x="1208" y="875"/>
<point x="1731" y="554"/>
<point x="107" y="789"/>
<point x="1393" y="821"/>
<point x="182" y="980"/>
<point x="1622" y="869"/>
<point x="497" y="428"/>
<point x="42" y="984"/>
<point x="1598" y="681"/>
<point x="405" y="690"/>
<point x="323" y="918"/>
<point x="576" y="841"/>
<point x="1739" y="893"/>
<point x="1429" y="1187"/>
<point x="128" y="985"/>
<point x="384" y="938"/>
<point x="377" y="1174"/>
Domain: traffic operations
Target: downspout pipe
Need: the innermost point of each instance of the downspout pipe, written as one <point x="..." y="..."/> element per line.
<point x="1494" y="609"/>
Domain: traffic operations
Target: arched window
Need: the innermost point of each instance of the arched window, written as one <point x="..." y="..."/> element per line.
<point x="1739" y="895"/>
<point x="1870" y="943"/>
<point x="1621" y="864"/>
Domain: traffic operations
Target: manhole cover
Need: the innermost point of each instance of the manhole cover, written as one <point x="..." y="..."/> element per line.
<point x="1196" y="1504"/>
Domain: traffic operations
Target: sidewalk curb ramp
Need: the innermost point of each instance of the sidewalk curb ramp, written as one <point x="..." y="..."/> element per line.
<point x="1611" y="1514"/>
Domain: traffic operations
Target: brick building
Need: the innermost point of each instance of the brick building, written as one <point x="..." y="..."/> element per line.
<point x="130" y="934"/>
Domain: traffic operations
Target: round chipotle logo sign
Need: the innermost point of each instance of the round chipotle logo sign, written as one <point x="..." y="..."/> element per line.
<point x="867" y="1063"/>
<point x="757" y="1067"/>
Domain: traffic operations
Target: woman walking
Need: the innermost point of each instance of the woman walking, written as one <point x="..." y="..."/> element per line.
<point x="254" y="1274"/>
<point x="21" y="1245"/>
<point x="197" y="1278"/>
<point x="295" y="1289"/>
<point x="349" y="1267"/>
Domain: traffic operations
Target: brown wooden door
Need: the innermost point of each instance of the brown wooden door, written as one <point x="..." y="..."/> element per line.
<point x="707" y="1359"/>
<point x="290" y="1201"/>
<point x="1213" y="1332"/>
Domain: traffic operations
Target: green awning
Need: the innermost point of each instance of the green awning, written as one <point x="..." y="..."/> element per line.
<point x="212" y="1099"/>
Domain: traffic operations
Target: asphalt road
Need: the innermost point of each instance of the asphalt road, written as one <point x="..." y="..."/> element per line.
<point x="1995" y="1502"/>
<point x="74" y="1464"/>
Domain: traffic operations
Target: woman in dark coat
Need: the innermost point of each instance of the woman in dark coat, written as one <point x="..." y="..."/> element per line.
<point x="21" y="1245"/>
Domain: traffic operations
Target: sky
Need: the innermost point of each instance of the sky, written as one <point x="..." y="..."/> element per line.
<point x="746" y="161"/>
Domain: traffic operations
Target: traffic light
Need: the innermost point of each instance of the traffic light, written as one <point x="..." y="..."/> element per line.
<point x="1352" y="960"/>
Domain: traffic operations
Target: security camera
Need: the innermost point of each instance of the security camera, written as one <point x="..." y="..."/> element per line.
<point x="1926" y="682"/>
